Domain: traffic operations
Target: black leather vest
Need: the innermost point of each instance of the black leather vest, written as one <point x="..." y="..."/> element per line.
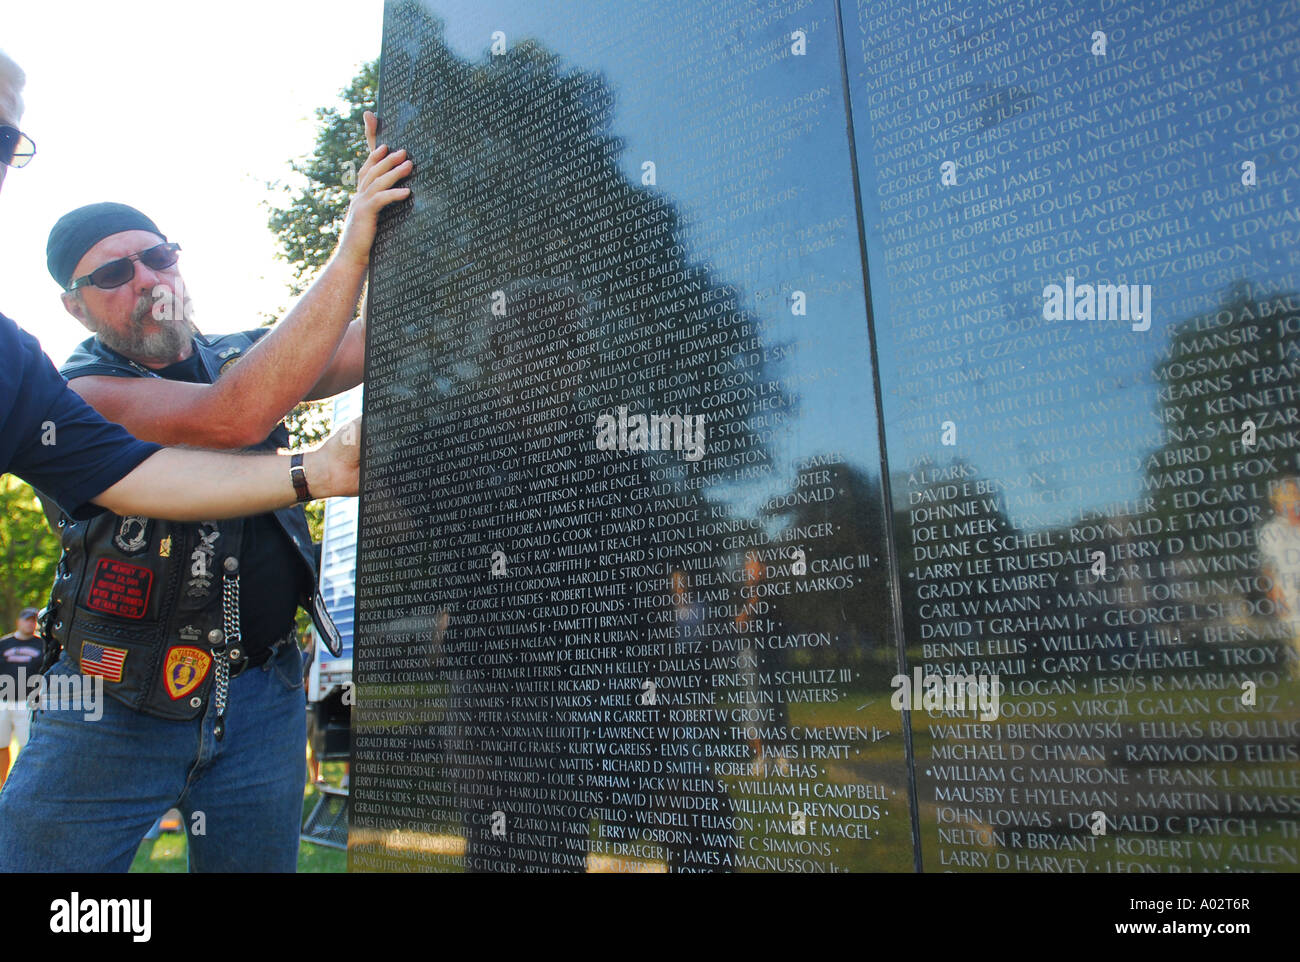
<point x="137" y="600"/>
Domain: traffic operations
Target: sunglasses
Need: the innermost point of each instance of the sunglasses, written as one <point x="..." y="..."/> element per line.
<point x="16" y="148"/>
<point x="118" y="272"/>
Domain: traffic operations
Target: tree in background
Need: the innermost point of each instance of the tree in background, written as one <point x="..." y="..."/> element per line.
<point x="307" y="228"/>
<point x="29" y="552"/>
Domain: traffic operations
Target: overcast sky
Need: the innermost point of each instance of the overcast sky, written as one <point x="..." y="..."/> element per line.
<point x="182" y="109"/>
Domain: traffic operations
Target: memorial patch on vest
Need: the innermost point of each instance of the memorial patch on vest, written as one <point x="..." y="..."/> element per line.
<point x="120" y="589"/>
<point x="184" y="670"/>
<point x="102" y="660"/>
<point x="132" y="535"/>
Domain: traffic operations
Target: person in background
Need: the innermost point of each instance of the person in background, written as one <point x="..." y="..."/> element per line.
<point x="1279" y="555"/>
<point x="20" y="657"/>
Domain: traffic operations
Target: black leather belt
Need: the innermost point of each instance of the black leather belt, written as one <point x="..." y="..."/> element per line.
<point x="259" y="658"/>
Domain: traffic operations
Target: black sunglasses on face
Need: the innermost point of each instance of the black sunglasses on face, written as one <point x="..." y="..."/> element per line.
<point x="16" y="148"/>
<point x="118" y="272"/>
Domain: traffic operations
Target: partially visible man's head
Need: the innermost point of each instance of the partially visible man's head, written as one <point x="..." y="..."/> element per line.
<point x="27" y="621"/>
<point x="147" y="318"/>
<point x="12" y="81"/>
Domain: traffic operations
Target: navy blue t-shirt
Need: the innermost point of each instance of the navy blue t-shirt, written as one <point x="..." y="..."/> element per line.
<point x="50" y="437"/>
<point x="19" y="653"/>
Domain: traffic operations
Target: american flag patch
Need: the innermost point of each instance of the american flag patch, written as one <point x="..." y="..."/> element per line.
<point x="102" y="660"/>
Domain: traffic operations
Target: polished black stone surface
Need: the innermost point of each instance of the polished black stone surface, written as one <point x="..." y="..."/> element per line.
<point x="1114" y="528"/>
<point x="637" y="581"/>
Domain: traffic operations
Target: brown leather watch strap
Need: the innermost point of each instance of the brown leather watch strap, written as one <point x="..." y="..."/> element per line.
<point x="298" y="474"/>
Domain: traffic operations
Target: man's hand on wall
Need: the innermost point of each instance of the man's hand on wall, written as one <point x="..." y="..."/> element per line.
<point x="375" y="191"/>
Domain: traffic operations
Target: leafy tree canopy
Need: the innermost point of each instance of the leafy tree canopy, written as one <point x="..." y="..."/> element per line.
<point x="308" y="226"/>
<point x="29" y="552"/>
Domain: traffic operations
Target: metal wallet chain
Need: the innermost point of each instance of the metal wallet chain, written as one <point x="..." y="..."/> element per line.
<point x="230" y="650"/>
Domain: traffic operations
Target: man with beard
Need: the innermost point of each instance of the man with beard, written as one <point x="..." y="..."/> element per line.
<point x="190" y="626"/>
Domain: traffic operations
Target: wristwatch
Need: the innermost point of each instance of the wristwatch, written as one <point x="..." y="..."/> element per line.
<point x="298" y="475"/>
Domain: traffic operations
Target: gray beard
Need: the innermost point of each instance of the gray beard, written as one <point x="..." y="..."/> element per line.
<point x="159" y="347"/>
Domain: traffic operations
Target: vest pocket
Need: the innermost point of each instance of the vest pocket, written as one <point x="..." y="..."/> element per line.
<point x="167" y="680"/>
<point x="125" y="663"/>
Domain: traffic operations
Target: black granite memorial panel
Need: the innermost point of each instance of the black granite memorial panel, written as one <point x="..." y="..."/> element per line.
<point x="623" y="599"/>
<point x="629" y="596"/>
<point x="1081" y="225"/>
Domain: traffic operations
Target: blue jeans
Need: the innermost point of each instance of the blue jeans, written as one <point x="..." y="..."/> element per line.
<point x="83" y="793"/>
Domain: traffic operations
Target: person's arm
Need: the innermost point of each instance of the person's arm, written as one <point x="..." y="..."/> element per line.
<point x="315" y="348"/>
<point x="348" y="367"/>
<point x="56" y="442"/>
<point x="185" y="485"/>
